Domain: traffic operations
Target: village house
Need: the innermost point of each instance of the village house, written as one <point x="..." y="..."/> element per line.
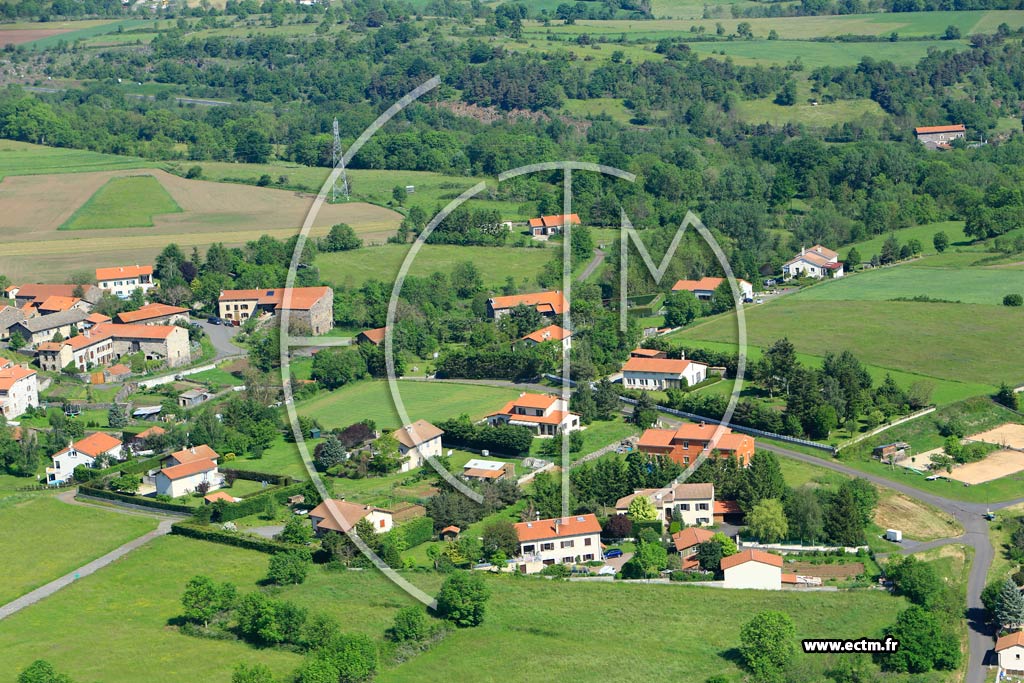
<point x="33" y="295"/>
<point x="94" y="319"/>
<point x="84" y="351"/>
<point x="693" y="504"/>
<point x="108" y="342"/>
<point x="705" y="287"/>
<point x="660" y="374"/>
<point x="488" y="470"/>
<point x="545" y="226"/>
<point x="59" y="304"/>
<point x="564" y="540"/>
<point x="19" y="389"/>
<point x="417" y="442"/>
<point x="180" y="480"/>
<point x="687" y="442"/>
<point x="43" y="328"/>
<point x="551" y="333"/>
<point x="647" y="353"/>
<point x="545" y="414"/>
<point x="753" y="569"/>
<point x="347" y="516"/>
<point x="940" y="137"/>
<point x="374" y="336"/>
<point x="188" y="455"/>
<point x="98" y="446"/>
<point x="548" y="304"/>
<point x="687" y="541"/>
<point x="311" y="308"/>
<point x="816" y="262"/>
<point x="8" y="316"/>
<point x="154" y="314"/>
<point x="121" y="281"/>
<point x="139" y="441"/>
<point x="1010" y="651"/>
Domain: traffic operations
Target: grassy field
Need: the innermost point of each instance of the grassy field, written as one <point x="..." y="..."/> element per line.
<point x="352" y="268"/>
<point x="816" y="54"/>
<point x="128" y="202"/>
<point x="22" y="158"/>
<point x="431" y="401"/>
<point x="49" y="536"/>
<point x="923" y="233"/>
<point x="938" y="340"/>
<point x="985" y="286"/>
<point x="1002" y="565"/>
<point x="765" y="110"/>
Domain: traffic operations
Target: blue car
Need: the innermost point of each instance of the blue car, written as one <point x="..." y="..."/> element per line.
<point x="613" y="553"/>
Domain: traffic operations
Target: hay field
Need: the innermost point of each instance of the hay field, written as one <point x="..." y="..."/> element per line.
<point x="36" y="206"/>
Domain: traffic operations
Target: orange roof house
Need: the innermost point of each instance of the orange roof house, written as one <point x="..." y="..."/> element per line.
<point x="151" y="312"/>
<point x="546" y="414"/>
<point x="751" y="556"/>
<point x="348" y="515"/>
<point x="546" y="303"/>
<point x="544" y="226"/>
<point x="374" y="336"/>
<point x="686" y="542"/>
<point x="954" y="128"/>
<point x="56" y="304"/>
<point x="295" y="299"/>
<point x="188" y="469"/>
<point x="647" y="353"/>
<point x="562" y="527"/>
<point x="687" y="442"/>
<point x="123" y="273"/>
<point x="93" y="445"/>
<point x="546" y="334"/>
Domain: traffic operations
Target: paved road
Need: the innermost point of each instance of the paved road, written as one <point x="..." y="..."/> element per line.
<point x="49" y="589"/>
<point x="594" y="264"/>
<point x="221" y="336"/>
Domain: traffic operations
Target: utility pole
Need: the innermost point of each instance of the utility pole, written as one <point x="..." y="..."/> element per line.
<point x="338" y="159"/>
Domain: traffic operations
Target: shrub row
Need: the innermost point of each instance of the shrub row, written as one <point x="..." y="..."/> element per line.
<point x="249" y="475"/>
<point x="217" y="535"/>
<point x="96" y="492"/>
<point x="417" y="531"/>
<point x="139" y="466"/>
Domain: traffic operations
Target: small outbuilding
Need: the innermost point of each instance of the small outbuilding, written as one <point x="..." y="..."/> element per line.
<point x="1010" y="650"/>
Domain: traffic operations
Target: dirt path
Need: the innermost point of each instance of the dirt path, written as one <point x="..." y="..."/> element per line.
<point x="49" y="589"/>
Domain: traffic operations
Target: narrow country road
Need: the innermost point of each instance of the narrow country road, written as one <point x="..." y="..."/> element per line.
<point x="49" y="589"/>
<point x="594" y="264"/>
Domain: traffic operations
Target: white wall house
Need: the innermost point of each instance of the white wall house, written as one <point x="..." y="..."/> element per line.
<point x="19" y="390"/>
<point x="695" y="503"/>
<point x="545" y="414"/>
<point x="347" y="515"/>
<point x="551" y="333"/>
<point x="816" y="262"/>
<point x="1010" y="650"/>
<point x="180" y="480"/>
<point x="705" y="287"/>
<point x="121" y="281"/>
<point x="659" y="374"/>
<point x="417" y="442"/>
<point x="753" y="569"/>
<point x="564" y="540"/>
<point x="83" y="452"/>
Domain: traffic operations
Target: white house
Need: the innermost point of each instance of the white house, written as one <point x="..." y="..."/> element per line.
<point x="1010" y="650"/>
<point x="417" y="442"/>
<point x="83" y="452"/>
<point x="705" y="287"/>
<point x="939" y="137"/>
<point x="19" y="390"/>
<point x="488" y="470"/>
<point x="695" y="503"/>
<point x="548" y="304"/>
<point x="753" y="569"/>
<point x="564" y="540"/>
<point x="545" y="414"/>
<point x="659" y="374"/>
<point x="186" y="455"/>
<point x="551" y="333"/>
<point x="341" y="515"/>
<point x="123" y="280"/>
<point x="816" y="262"/>
<point x="180" y="480"/>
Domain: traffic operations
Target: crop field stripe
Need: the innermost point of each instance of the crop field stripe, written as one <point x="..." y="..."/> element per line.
<point x="123" y="202"/>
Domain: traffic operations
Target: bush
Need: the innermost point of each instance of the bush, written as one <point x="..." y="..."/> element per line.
<point x="462" y="599"/>
<point x="410" y="624"/>
<point x="290" y="567"/>
<point x="92" y="491"/>
<point x="417" y="531"/>
<point x="558" y="571"/>
<point x="1013" y="300"/>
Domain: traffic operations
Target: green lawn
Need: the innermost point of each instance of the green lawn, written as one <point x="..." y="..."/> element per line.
<point x="352" y="268"/>
<point x="923" y="233"/>
<point x="22" y="158"/>
<point x="818" y="54"/>
<point x="1002" y="565"/>
<point x="281" y="458"/>
<point x="431" y="401"/>
<point x="938" y="340"/>
<point x="217" y="377"/>
<point x="128" y="202"/>
<point x="54" y="538"/>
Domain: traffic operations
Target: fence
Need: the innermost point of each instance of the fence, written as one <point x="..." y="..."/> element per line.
<point x="889" y="425"/>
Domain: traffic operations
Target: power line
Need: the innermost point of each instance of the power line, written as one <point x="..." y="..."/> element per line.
<point x="338" y="159"/>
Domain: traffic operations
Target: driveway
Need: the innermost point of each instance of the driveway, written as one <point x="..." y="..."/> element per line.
<point x="221" y="336"/>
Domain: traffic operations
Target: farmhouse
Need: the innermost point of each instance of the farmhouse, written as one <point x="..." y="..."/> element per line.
<point x="374" y="336"/>
<point x="417" y="442"/>
<point x="816" y="262"/>
<point x="488" y="470"/>
<point x="193" y="397"/>
<point x="139" y="441"/>
<point x="43" y="328"/>
<point x="83" y="452"/>
<point x="1010" y="650"/>
<point x="939" y="137"/>
<point x="647" y="353"/>
<point x="121" y="281"/>
<point x="19" y="389"/>
<point x="58" y="304"/>
<point x="545" y="226"/>
<point x="154" y="314"/>
<point x="659" y="374"/>
<point x="687" y="442"/>
<point x="693" y="503"/>
<point x="107" y="342"/>
<point x="705" y="287"/>
<point x="753" y="569"/>
<point x="545" y="414"/>
<point x="686" y="542"/>
<point x="180" y="480"/>
<point x="551" y="333"/>
<point x="563" y="540"/>
<point x="311" y="307"/>
<point x="35" y="294"/>
<point x="546" y="303"/>
<point x="8" y="316"/>
<point x="348" y="515"/>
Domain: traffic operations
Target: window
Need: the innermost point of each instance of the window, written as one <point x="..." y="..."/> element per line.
<point x="588" y="541"/>
<point x="382" y="522"/>
<point x="528" y="548"/>
<point x="702" y="506"/>
<point x="567" y="544"/>
<point x="547" y="546"/>
<point x="684" y="506"/>
<point x="590" y="556"/>
<point x="567" y="560"/>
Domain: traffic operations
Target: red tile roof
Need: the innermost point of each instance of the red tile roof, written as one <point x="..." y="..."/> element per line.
<point x="566" y="526"/>
<point x="646" y="353"/>
<point x="554" y="221"/>
<point x="727" y="507"/>
<point x="134" y="331"/>
<point x="97" y="318"/>
<point x="417" y="433"/>
<point x="349" y="514"/>
<point x="41" y="292"/>
<point x="193" y="454"/>
<point x="690" y="537"/>
<point x="1009" y="640"/>
<point x="956" y="128"/>
<point x="152" y="431"/>
<point x="188" y="469"/>
<point x="149" y="312"/>
<point x="58" y="303"/>
<point x="666" y="366"/>
<point x="219" y="495"/>
<point x="93" y="445"/>
<point x="295" y="299"/>
<point x="9" y="376"/>
<point x="549" y="333"/>
<point x="553" y="303"/>
<point x="376" y="335"/>
<point x="751" y="556"/>
<point x="120" y="272"/>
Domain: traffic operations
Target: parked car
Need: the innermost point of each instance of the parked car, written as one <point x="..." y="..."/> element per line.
<point x="613" y="553"/>
<point x="213" y="320"/>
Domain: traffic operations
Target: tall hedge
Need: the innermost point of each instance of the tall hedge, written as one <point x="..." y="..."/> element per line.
<point x="417" y="531"/>
<point x="217" y="535"/>
<point x="97" y="492"/>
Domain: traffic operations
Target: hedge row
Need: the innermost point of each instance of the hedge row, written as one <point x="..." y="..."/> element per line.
<point x="96" y="492"/>
<point x="249" y="475"/>
<point x="216" y="535"/>
<point x="417" y="531"/>
<point x="225" y="512"/>
<point x="140" y="466"/>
